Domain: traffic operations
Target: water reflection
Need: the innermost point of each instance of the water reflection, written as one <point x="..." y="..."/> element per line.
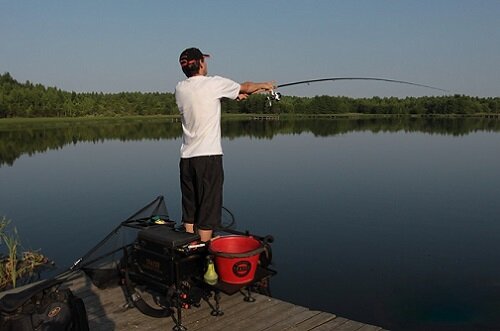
<point x="392" y="222"/>
<point x="16" y="140"/>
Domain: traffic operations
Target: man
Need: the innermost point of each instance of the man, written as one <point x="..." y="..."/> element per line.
<point x="201" y="171"/>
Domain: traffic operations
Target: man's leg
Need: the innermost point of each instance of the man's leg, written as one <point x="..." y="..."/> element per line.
<point x="188" y="195"/>
<point x="205" y="235"/>
<point x="189" y="227"/>
<point x="211" y="203"/>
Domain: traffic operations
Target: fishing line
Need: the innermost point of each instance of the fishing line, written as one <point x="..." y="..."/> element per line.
<point x="276" y="96"/>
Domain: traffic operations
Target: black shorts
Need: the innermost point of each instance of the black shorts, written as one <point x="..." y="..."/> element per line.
<point x="202" y="178"/>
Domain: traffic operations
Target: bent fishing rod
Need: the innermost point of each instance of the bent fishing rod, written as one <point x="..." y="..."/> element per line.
<point x="276" y="96"/>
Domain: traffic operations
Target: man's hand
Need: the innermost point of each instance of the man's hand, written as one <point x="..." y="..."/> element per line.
<point x="269" y="86"/>
<point x="242" y="96"/>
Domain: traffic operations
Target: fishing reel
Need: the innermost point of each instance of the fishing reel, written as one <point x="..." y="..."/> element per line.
<point x="273" y="96"/>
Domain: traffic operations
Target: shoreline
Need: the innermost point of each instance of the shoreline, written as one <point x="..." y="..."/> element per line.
<point x="225" y="116"/>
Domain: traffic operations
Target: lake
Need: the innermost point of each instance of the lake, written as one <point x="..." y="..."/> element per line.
<point x="388" y="221"/>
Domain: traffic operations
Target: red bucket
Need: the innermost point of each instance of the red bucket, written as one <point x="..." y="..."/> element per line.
<point x="236" y="258"/>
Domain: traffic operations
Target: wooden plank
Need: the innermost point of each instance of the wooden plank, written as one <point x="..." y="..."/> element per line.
<point x="238" y="313"/>
<point x="260" y="321"/>
<point x="339" y="324"/>
<point x="229" y="305"/>
<point x="333" y="324"/>
<point x="293" y="321"/>
<point x="368" y="327"/>
<point x="283" y="318"/>
<point x="191" y="318"/>
<point x="107" y="311"/>
<point x="314" y="321"/>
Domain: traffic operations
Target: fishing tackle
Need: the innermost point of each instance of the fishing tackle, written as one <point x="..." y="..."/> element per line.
<point x="273" y="96"/>
<point x="276" y="96"/>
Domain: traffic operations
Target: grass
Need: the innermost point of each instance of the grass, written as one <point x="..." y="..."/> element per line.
<point x="68" y="121"/>
<point x="16" y="265"/>
<point x="10" y="123"/>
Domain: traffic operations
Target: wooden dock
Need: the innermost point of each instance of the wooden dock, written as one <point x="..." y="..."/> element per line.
<point x="266" y="117"/>
<point x="107" y="311"/>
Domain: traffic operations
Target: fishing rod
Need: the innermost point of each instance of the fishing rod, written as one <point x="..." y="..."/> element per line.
<point x="276" y="96"/>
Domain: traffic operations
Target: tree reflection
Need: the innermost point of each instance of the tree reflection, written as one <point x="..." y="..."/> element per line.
<point x="31" y="138"/>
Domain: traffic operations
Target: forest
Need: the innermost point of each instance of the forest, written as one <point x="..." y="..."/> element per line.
<point x="31" y="100"/>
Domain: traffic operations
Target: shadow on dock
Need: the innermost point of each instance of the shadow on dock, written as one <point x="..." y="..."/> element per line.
<point x="107" y="310"/>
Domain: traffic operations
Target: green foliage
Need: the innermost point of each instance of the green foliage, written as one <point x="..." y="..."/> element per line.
<point x="29" y="100"/>
<point x="12" y="266"/>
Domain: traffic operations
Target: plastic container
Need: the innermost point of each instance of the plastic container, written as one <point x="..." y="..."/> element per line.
<point x="236" y="258"/>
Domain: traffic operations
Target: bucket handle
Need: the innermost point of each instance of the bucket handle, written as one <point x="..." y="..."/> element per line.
<point x="240" y="255"/>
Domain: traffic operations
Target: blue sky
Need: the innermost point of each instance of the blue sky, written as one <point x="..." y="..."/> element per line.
<point x="125" y="45"/>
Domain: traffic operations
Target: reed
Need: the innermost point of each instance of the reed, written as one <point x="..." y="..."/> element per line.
<point x="14" y="264"/>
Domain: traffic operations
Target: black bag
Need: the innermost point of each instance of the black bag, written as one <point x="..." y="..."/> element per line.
<point x="43" y="307"/>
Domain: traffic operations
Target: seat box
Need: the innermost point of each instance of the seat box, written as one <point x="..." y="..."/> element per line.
<point x="158" y="259"/>
<point x="166" y="237"/>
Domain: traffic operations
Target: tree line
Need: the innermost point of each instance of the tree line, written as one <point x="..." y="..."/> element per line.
<point x="35" y="100"/>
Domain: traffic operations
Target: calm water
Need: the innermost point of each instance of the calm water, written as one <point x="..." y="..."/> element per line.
<point x="390" y="222"/>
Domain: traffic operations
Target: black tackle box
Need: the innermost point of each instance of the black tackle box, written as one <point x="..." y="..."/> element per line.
<point x="160" y="259"/>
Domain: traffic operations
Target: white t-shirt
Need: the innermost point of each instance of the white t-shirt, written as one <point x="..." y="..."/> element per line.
<point x="198" y="99"/>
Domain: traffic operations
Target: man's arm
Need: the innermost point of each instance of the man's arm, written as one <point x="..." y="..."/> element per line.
<point x="251" y="87"/>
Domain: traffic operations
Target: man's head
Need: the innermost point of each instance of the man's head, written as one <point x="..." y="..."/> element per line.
<point x="192" y="62"/>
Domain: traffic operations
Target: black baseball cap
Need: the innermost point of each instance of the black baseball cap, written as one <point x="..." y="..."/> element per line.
<point x="190" y="55"/>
